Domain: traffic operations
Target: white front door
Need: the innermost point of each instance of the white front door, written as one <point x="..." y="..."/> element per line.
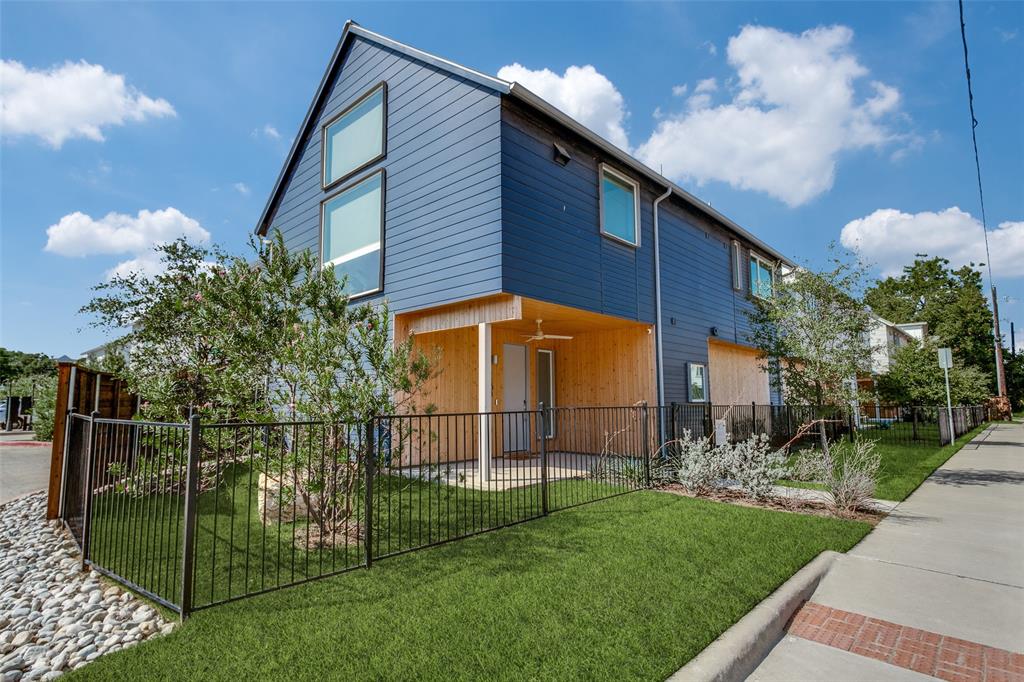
<point x="514" y="391"/>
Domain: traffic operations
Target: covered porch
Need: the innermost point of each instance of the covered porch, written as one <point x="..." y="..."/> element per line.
<point x="495" y="368"/>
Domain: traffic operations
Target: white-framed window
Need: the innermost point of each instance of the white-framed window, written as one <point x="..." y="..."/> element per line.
<point x="762" y="277"/>
<point x="356" y="137"/>
<point x="352" y="234"/>
<point x="546" y="388"/>
<point x="620" y="206"/>
<point x="737" y="265"/>
<point x="697" y="375"/>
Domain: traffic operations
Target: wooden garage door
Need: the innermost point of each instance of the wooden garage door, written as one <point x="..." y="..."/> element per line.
<point x="735" y="377"/>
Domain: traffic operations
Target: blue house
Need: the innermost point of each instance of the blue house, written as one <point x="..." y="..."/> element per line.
<point x="544" y="263"/>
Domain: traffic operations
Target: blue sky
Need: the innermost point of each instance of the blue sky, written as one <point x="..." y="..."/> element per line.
<point x="795" y="119"/>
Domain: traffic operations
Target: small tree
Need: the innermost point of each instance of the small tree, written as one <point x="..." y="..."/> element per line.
<point x="273" y="336"/>
<point x="915" y="378"/>
<point x="812" y="334"/>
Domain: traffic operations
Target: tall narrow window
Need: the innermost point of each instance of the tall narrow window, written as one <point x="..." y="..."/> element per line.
<point x="620" y="212"/>
<point x="546" y="388"/>
<point x="761" y="277"/>
<point x="355" y="138"/>
<point x="737" y="266"/>
<point x="352" y="231"/>
<point x="698" y="383"/>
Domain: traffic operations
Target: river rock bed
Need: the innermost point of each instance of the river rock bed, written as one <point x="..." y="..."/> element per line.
<point x="53" y="616"/>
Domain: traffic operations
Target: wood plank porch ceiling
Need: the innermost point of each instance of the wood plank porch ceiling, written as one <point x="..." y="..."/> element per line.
<point x="508" y="311"/>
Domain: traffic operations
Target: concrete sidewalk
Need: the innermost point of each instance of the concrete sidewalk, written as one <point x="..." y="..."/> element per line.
<point x="936" y="590"/>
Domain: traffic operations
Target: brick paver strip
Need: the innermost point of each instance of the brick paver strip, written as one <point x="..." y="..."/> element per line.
<point x="947" y="658"/>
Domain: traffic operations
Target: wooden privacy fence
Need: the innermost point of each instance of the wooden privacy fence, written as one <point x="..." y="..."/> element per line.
<point x="83" y="391"/>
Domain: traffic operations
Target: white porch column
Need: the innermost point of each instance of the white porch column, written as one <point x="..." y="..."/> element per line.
<point x="483" y="387"/>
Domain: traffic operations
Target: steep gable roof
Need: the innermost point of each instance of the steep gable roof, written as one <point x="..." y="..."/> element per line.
<point x="499" y="86"/>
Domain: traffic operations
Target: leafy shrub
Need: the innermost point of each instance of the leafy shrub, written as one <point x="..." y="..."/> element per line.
<point x="755" y="465"/>
<point x="694" y="463"/>
<point x="849" y="472"/>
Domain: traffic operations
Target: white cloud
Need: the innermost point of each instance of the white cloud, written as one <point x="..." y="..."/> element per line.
<point x="890" y="239"/>
<point x="267" y="131"/>
<point x="242" y="188"/>
<point x="75" y="99"/>
<point x="710" y="47"/>
<point x="706" y="85"/>
<point x="581" y="92"/>
<point x="794" y="110"/>
<point x="680" y="90"/>
<point x="79" y="235"/>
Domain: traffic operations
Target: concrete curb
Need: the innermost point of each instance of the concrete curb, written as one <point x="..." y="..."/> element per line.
<point x="739" y="650"/>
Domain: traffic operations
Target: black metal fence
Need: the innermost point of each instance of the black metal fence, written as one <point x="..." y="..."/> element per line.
<point x="193" y="515"/>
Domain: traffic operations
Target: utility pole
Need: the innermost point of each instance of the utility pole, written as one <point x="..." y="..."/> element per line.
<point x="1013" y="342"/>
<point x="1000" y="369"/>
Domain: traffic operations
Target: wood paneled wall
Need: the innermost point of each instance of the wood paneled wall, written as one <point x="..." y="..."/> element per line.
<point x="608" y="362"/>
<point x="735" y="375"/>
<point x="77" y="390"/>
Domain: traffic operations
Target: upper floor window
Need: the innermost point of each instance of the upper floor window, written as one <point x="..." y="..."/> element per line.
<point x="620" y="207"/>
<point x="737" y="266"/>
<point x="352" y="232"/>
<point x="356" y="137"/>
<point x="762" y="277"/>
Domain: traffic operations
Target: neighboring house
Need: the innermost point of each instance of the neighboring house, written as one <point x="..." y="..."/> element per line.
<point x="885" y="338"/>
<point x="546" y="264"/>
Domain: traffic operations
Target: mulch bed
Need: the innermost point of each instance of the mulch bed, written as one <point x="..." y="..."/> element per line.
<point x="790" y="505"/>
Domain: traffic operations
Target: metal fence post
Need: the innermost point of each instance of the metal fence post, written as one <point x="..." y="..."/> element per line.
<point x="89" y="465"/>
<point x="753" y="418"/>
<point x="674" y="416"/>
<point x="647" y="446"/>
<point x="371" y="465"/>
<point x="853" y="430"/>
<point x="68" y="418"/>
<point x="191" y="507"/>
<point x="543" y="424"/>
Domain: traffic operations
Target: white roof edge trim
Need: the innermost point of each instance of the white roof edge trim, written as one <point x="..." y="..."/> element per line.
<point x="498" y="84"/>
<point x="518" y="90"/>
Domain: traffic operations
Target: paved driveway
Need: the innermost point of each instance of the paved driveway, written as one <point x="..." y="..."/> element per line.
<point x="937" y="590"/>
<point x="23" y="468"/>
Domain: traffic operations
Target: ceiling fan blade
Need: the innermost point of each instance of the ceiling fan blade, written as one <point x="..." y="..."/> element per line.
<point x="556" y="336"/>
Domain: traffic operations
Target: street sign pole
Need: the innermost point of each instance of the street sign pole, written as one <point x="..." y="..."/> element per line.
<point x="945" y="362"/>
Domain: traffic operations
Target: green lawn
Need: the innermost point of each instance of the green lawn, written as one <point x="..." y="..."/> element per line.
<point x="140" y="538"/>
<point x="905" y="467"/>
<point x="626" y="588"/>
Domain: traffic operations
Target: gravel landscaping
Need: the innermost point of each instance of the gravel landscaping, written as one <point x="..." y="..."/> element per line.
<point x="54" y="617"/>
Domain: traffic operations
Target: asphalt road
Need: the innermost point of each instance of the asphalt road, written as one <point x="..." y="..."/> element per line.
<point x="23" y="468"/>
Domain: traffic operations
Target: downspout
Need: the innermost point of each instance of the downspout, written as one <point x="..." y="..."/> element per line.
<point x="657" y="305"/>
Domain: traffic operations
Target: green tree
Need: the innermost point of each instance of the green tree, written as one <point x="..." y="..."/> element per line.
<point x="914" y="378"/>
<point x="813" y="330"/>
<point x="265" y="338"/>
<point x="16" y="364"/>
<point x="951" y="301"/>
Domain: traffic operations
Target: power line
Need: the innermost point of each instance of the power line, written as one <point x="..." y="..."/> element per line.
<point x="1000" y="372"/>
<point x="974" y="138"/>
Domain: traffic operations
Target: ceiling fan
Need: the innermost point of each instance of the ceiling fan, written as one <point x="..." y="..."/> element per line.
<point x="540" y="335"/>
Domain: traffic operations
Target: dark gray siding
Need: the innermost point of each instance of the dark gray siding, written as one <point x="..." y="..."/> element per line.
<point x="553" y="249"/>
<point x="442" y="220"/>
<point x="552" y="246"/>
